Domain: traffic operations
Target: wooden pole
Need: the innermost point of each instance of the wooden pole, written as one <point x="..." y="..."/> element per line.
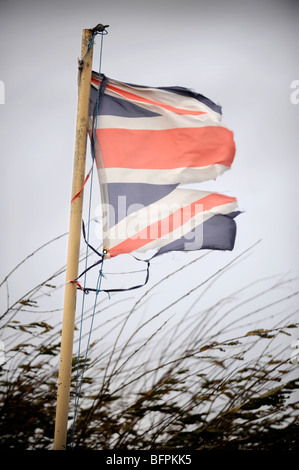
<point x="68" y="323"/>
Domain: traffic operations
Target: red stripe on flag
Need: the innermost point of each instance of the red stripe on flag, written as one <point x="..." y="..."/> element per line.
<point x="133" y="97"/>
<point x="166" y="149"/>
<point x="165" y="226"/>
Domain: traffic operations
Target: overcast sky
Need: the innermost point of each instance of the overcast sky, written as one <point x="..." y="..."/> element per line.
<point x="241" y="54"/>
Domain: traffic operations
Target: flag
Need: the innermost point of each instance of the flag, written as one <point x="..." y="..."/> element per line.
<point x="148" y="142"/>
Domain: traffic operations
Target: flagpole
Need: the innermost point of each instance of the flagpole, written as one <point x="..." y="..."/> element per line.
<point x="68" y="323"/>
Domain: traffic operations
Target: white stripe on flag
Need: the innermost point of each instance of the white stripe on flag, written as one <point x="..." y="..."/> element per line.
<point x="171" y="176"/>
<point x="168" y="120"/>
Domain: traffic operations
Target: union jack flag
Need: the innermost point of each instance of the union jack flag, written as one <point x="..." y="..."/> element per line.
<point x="148" y="142"/>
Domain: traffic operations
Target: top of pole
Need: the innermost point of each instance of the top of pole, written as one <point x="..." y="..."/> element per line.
<point x="100" y="28"/>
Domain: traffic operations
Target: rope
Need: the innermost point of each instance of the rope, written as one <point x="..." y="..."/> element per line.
<point x="79" y="385"/>
<point x="90" y="174"/>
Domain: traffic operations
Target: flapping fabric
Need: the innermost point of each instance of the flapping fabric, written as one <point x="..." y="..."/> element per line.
<point x="147" y="142"/>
